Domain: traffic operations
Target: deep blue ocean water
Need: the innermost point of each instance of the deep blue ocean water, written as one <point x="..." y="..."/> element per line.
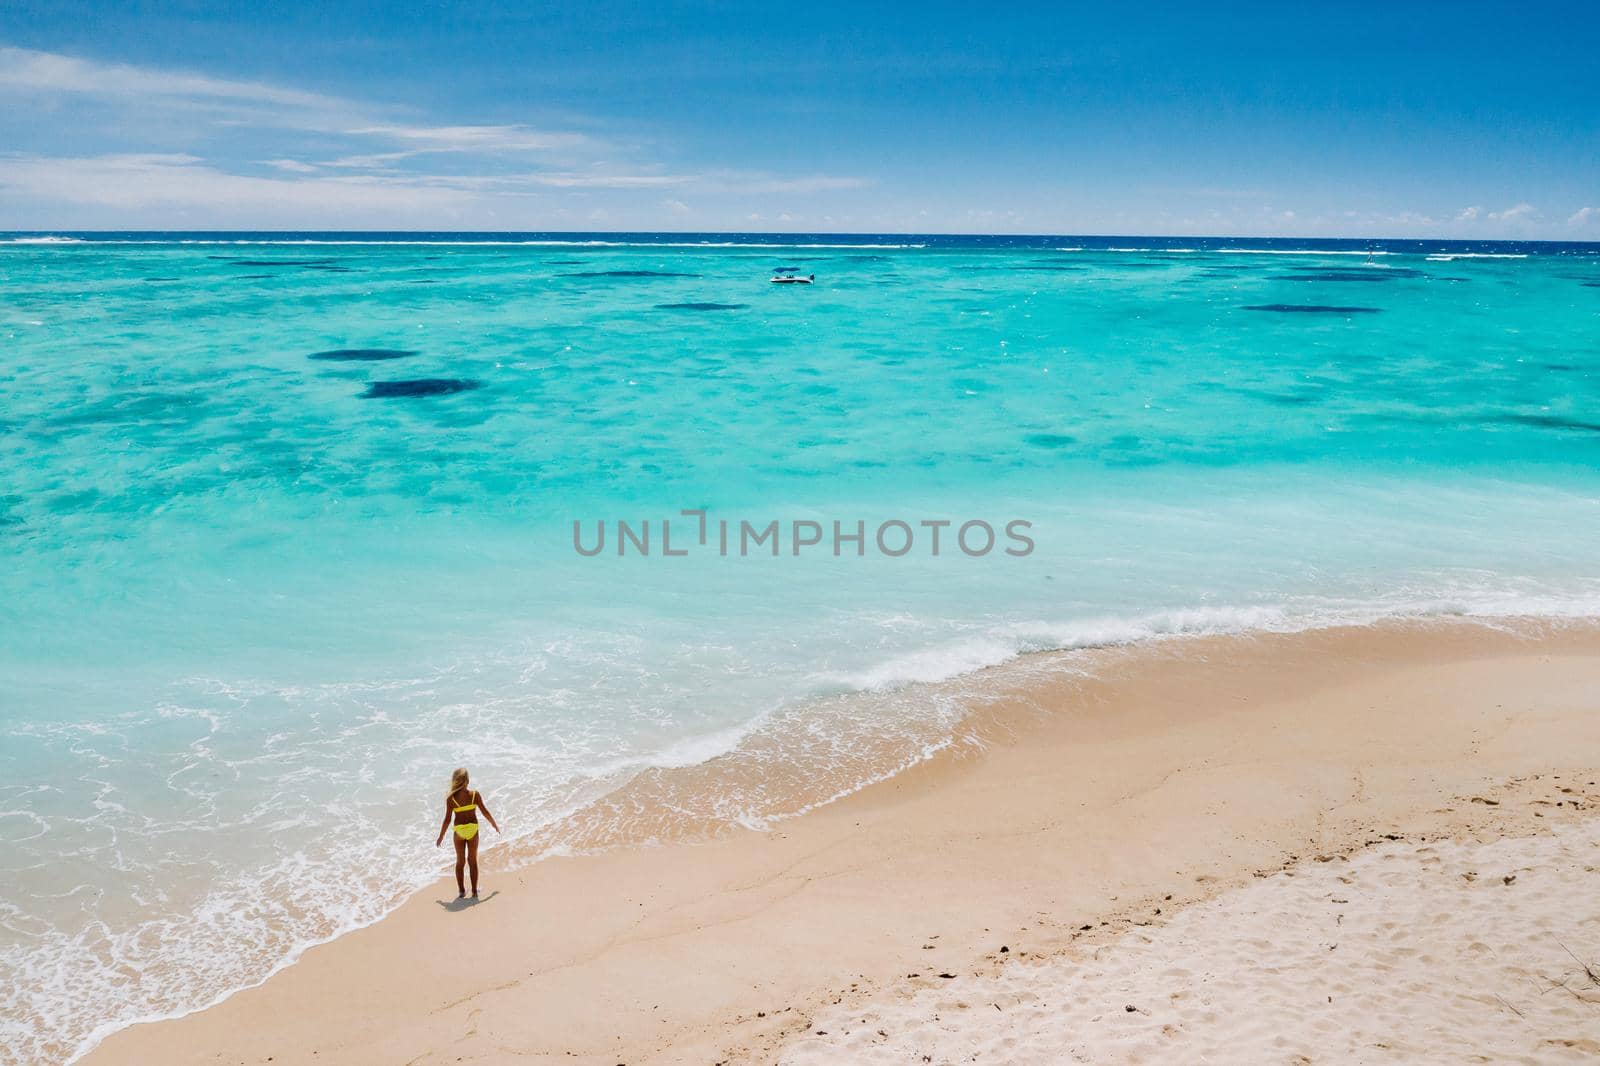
<point x="288" y="528"/>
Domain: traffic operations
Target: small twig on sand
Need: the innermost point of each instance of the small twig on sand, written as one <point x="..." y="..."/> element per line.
<point x="1588" y="970"/>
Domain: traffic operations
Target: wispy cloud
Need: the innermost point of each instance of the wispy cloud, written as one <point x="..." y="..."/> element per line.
<point x="753" y="182"/>
<point x="1475" y="219"/>
<point x="148" y="91"/>
<point x="315" y="155"/>
<point x="1513" y="214"/>
<point x="49" y="72"/>
<point x="480" y="140"/>
<point x="568" y="180"/>
<point x="293" y="166"/>
<point x="176" y="180"/>
<point x="1584" y="216"/>
<point x="187" y="182"/>
<point x="477" y="138"/>
<point x="725" y="181"/>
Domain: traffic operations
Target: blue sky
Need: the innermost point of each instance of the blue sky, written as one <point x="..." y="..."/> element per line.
<point x="1361" y="119"/>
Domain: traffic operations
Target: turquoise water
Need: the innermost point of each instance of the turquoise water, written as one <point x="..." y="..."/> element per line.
<point x="258" y="604"/>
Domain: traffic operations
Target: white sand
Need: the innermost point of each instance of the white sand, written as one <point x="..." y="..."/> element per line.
<point x="1404" y="953"/>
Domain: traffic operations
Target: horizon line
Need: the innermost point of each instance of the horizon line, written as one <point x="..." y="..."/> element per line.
<point x="61" y="231"/>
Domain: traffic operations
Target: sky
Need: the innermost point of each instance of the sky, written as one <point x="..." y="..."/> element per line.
<point x="1391" y="119"/>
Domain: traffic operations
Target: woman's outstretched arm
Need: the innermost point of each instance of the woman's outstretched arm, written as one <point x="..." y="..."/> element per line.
<point x="484" y="808"/>
<point x="445" y="825"/>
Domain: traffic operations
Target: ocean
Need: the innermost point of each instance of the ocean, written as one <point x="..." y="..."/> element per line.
<point x="289" y="532"/>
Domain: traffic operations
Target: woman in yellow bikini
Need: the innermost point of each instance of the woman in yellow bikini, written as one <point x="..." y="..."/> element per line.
<point x="463" y="804"/>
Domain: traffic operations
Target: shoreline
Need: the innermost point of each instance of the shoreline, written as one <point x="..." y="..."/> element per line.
<point x="714" y="930"/>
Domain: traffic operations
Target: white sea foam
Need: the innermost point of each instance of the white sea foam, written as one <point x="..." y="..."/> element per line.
<point x="1300" y="251"/>
<point x="1002" y="644"/>
<point x="1141" y="250"/>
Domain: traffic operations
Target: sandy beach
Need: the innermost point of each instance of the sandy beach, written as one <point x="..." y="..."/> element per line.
<point x="1357" y="844"/>
<point x="927" y="535"/>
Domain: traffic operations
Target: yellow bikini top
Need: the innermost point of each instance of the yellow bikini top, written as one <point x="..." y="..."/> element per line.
<point x="469" y="807"/>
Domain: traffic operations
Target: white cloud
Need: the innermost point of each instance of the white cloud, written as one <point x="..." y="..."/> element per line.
<point x="603" y="181"/>
<point x="183" y="181"/>
<point x="481" y="140"/>
<point x="1583" y="216"/>
<point x="757" y="182"/>
<point x="24" y="69"/>
<point x="146" y="92"/>
<point x="143" y="180"/>
<point x="1513" y="214"/>
<point x="476" y="138"/>
<point x="714" y="181"/>
<point x="371" y="158"/>
<point x="1469" y="214"/>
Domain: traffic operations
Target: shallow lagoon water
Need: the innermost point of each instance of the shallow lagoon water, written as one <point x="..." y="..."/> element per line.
<point x="288" y="524"/>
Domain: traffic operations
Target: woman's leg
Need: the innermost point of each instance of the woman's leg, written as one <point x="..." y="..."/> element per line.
<point x="461" y="864"/>
<point x="472" y="857"/>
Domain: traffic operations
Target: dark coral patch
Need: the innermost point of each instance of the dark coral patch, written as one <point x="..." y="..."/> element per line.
<point x="1350" y="274"/>
<point x="1333" y="277"/>
<point x="626" y="274"/>
<point x="318" y="263"/>
<point x="361" y="355"/>
<point x="386" y="390"/>
<point x="700" y="307"/>
<point x="1314" y="309"/>
<point x="1551" y="422"/>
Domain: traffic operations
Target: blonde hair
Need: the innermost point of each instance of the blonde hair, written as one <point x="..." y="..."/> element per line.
<point x="458" y="781"/>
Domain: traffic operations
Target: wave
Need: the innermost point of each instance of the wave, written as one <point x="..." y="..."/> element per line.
<point x="1233" y="251"/>
<point x="1006" y="643"/>
<point x="1303" y="251"/>
<point x="1445" y="257"/>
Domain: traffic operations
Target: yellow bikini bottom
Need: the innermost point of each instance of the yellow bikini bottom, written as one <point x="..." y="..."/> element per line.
<point x="467" y="830"/>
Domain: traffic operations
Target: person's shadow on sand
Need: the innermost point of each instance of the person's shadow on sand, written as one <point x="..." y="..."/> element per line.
<point x="466" y="904"/>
